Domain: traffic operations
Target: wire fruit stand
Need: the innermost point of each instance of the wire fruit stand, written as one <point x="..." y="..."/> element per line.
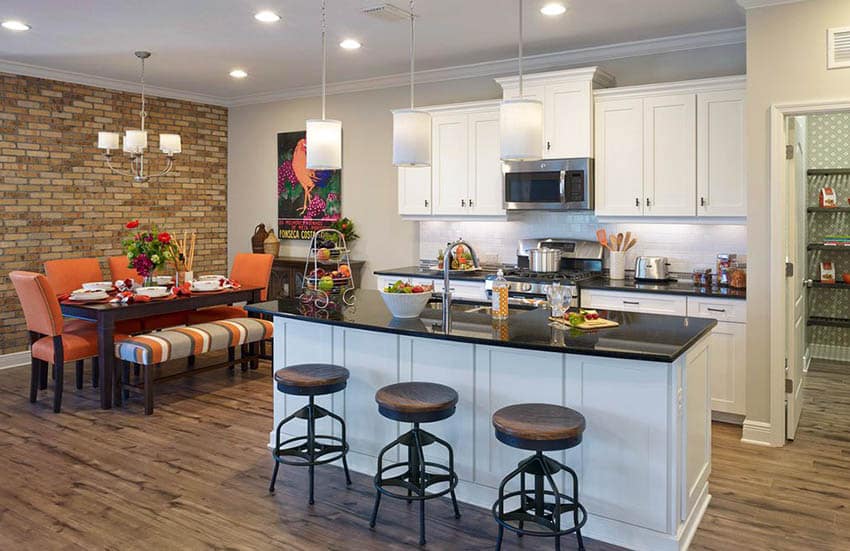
<point x="327" y="277"/>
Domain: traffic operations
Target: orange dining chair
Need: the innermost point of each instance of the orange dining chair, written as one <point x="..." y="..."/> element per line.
<point x="249" y="270"/>
<point x="119" y="269"/>
<point x="50" y="341"/>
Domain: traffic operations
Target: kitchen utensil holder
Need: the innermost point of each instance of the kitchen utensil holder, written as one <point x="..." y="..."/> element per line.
<point x="617" y="265"/>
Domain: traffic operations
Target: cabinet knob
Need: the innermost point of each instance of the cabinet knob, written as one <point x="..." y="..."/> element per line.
<point x="702" y="201"/>
<point x="426" y="202"/>
<point x="637" y="201"/>
<point x="470" y="203"/>
<point x="463" y="202"/>
<point x="548" y="145"/>
<point x="648" y="204"/>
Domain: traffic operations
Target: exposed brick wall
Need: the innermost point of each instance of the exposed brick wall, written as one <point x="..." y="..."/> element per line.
<point x="59" y="200"/>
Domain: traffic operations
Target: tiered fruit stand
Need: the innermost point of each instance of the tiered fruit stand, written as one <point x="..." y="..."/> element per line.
<point x="319" y="286"/>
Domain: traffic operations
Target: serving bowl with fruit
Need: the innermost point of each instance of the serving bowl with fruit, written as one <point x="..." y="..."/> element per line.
<point x="405" y="300"/>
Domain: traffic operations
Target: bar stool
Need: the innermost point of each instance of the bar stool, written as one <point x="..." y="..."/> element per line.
<point x="308" y="451"/>
<point x="539" y="427"/>
<point x="416" y="403"/>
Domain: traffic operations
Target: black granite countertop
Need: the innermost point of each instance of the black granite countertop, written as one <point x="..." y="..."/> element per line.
<point x="681" y="287"/>
<point x="416" y="271"/>
<point x="648" y="337"/>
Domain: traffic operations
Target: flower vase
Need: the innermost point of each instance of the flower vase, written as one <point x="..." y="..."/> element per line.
<point x="149" y="281"/>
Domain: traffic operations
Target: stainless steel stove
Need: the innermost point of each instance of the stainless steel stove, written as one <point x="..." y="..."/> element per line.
<point x="579" y="260"/>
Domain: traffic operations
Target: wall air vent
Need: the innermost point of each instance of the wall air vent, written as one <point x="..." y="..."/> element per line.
<point x="838" y="48"/>
<point x="388" y="12"/>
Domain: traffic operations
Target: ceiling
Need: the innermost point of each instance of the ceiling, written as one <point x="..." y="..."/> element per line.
<point x="195" y="43"/>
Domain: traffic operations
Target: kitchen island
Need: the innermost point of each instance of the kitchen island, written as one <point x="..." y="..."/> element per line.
<point x="642" y="386"/>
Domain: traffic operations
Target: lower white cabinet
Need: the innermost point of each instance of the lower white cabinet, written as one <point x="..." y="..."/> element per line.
<point x="386" y="280"/>
<point x="634" y="302"/>
<point x="462" y="289"/>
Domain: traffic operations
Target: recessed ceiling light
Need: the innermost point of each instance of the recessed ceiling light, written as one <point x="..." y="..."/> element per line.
<point x="267" y="16"/>
<point x="15" y="26"/>
<point x="238" y="73"/>
<point x="349" y="44"/>
<point x="553" y="8"/>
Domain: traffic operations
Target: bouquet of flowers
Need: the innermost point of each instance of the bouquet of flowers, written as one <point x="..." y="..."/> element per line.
<point x="147" y="251"/>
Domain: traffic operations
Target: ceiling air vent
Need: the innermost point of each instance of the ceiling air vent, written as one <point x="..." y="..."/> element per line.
<point x="838" y="48"/>
<point x="388" y="12"/>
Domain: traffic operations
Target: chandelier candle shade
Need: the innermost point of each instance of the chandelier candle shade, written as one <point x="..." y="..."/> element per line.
<point x="136" y="141"/>
<point x="521" y="121"/>
<point x="324" y="136"/>
<point x="411" y="127"/>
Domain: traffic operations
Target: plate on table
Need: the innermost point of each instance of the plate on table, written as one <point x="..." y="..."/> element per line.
<point x="152" y="292"/>
<point x="211" y="278"/>
<point x="98" y="286"/>
<point x="163" y="280"/>
<point x="83" y="295"/>
<point x="206" y="285"/>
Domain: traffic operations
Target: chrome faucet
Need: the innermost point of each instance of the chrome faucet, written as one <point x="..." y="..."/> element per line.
<point x="447" y="292"/>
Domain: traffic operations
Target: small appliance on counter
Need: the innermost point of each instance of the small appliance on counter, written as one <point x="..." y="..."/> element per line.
<point x="652" y="268"/>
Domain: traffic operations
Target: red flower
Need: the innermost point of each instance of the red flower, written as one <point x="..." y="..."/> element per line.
<point x="164" y="237"/>
<point x="132" y="224"/>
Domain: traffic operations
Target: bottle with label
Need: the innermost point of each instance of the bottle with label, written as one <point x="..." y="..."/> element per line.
<point x="499" y="307"/>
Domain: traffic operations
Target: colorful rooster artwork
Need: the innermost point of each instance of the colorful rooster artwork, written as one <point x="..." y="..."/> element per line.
<point x="307" y="200"/>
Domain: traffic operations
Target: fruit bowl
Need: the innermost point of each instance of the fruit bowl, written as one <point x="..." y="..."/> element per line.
<point x="406" y="305"/>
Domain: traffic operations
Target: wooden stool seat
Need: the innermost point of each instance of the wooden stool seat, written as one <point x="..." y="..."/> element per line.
<point x="540" y="427"/>
<point x="416" y="402"/>
<point x="311" y="379"/>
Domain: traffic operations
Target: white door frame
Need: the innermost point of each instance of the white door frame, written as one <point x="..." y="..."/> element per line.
<point x="778" y="204"/>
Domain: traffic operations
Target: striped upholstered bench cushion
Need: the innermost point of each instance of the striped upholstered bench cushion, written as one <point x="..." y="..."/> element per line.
<point x="182" y="342"/>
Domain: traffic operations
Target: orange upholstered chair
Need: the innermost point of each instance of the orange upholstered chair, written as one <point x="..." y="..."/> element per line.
<point x="118" y="268"/>
<point x="50" y="341"/>
<point x="250" y="270"/>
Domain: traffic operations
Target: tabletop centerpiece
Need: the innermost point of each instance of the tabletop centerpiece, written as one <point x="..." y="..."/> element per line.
<point x="149" y="250"/>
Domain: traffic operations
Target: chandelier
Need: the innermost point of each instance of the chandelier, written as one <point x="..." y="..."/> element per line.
<point x="136" y="141"/>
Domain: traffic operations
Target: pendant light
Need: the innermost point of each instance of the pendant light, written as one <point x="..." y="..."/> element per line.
<point x="411" y="127"/>
<point x="324" y="136"/>
<point x="521" y="121"/>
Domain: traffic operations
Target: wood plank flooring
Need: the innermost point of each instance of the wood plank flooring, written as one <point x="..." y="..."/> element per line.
<point x="195" y="474"/>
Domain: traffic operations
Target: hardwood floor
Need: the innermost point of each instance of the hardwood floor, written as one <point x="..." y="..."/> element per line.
<point x="195" y="474"/>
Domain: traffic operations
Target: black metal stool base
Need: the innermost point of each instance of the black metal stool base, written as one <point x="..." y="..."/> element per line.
<point x="534" y="508"/>
<point x="416" y="478"/>
<point x="312" y="449"/>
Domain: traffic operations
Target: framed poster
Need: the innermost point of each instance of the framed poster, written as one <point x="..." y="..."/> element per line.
<point x="307" y="200"/>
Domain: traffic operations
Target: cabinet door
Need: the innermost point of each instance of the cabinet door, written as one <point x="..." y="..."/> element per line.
<point x="634" y="302"/>
<point x="670" y="155"/>
<point x="414" y="190"/>
<point x="727" y="362"/>
<point x="450" y="164"/>
<point x="619" y="158"/>
<point x="567" y="127"/>
<point x="721" y="180"/>
<point x="485" y="168"/>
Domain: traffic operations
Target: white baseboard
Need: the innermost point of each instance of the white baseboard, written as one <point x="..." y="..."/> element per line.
<point x="829" y="352"/>
<point x="14" y="359"/>
<point x="757" y="433"/>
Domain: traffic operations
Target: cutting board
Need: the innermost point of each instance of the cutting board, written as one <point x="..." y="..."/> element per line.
<point x="600" y="323"/>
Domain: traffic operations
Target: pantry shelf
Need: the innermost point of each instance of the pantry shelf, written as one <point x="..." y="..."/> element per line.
<point x="828" y="171"/>
<point x="829" y="209"/>
<point x="836" y="285"/>
<point x="822" y="247"/>
<point x="828" y="322"/>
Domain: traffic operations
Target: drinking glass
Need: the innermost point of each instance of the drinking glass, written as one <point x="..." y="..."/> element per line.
<point x="558" y="299"/>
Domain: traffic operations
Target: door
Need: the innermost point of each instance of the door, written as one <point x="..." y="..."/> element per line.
<point x="619" y="157"/>
<point x="796" y="291"/>
<point x="414" y="190"/>
<point x="450" y="164"/>
<point x="670" y="155"/>
<point x="567" y="126"/>
<point x="721" y="181"/>
<point x="485" y="167"/>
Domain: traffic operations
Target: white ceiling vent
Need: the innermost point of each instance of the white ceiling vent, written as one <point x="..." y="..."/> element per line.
<point x="838" y="48"/>
<point x="388" y="12"/>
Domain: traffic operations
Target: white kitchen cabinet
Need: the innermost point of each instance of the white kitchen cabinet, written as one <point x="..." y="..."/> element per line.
<point x="648" y="303"/>
<point x="450" y="162"/>
<point x="485" y="195"/>
<point x="414" y="190"/>
<point x="669" y="146"/>
<point x="721" y="174"/>
<point x="387" y="280"/>
<point x="619" y="135"/>
<point x="567" y="98"/>
<point x="671" y="150"/>
<point x="463" y="289"/>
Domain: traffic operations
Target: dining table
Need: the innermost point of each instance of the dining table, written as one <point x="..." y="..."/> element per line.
<point x="106" y="314"/>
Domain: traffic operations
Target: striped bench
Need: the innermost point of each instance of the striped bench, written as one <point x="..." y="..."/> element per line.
<point x="152" y="349"/>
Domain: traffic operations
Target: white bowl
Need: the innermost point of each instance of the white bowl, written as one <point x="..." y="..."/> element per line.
<point x="205" y="285"/>
<point x="211" y="278"/>
<point x="98" y="286"/>
<point x="405" y="305"/>
<point x="163" y="279"/>
<point x="153" y="292"/>
<point x="82" y="294"/>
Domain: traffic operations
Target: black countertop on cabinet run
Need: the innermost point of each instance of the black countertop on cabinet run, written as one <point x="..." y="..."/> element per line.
<point x="681" y="287"/>
<point x="416" y="271"/>
<point x="649" y="337"/>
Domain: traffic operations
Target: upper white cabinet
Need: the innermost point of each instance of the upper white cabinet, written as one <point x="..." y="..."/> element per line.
<point x="567" y="98"/>
<point x="671" y="149"/>
<point x="450" y="162"/>
<point x="414" y="190"/>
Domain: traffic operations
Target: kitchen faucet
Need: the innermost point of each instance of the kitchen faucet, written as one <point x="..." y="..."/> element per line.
<point x="447" y="265"/>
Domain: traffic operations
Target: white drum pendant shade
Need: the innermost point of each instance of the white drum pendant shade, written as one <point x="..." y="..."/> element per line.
<point x="411" y="138"/>
<point x="324" y="144"/>
<point x="521" y="129"/>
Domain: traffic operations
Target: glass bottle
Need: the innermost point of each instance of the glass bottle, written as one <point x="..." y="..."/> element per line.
<point x="499" y="308"/>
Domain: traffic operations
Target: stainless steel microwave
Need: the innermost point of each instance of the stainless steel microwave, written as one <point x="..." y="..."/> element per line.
<point x="552" y="184"/>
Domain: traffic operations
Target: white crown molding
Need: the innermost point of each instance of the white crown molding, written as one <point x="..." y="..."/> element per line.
<point x="735" y="82"/>
<point x="27" y="70"/>
<point x="540" y="62"/>
<point x="753" y="4"/>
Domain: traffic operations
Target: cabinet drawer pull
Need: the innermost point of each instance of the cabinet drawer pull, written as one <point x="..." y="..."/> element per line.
<point x="631" y="302"/>
<point x="721" y="310"/>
